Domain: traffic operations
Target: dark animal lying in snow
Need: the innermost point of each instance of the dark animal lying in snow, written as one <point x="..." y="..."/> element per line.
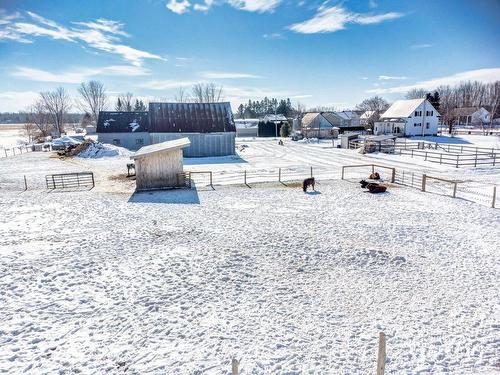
<point x="375" y="176"/>
<point x="308" y="182"/>
<point x="373" y="187"/>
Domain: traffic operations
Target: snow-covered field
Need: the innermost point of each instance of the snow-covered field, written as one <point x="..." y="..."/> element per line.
<point x="181" y="282"/>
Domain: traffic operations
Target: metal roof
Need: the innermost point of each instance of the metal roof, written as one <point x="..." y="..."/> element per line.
<point x="122" y="122"/>
<point x="191" y="118"/>
<point x="161" y="147"/>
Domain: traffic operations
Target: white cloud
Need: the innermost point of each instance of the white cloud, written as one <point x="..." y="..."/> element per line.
<point x="178" y="6"/>
<point x="167" y="84"/>
<point x="273" y="36"/>
<point x="77" y="75"/>
<point x="482" y="75"/>
<point x="260" y="6"/>
<point x="331" y="19"/>
<point x="420" y="46"/>
<point x="227" y="75"/>
<point x="13" y="101"/>
<point x="103" y="35"/>
<point x="387" y="78"/>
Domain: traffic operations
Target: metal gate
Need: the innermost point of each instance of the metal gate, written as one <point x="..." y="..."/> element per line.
<point x="70" y="180"/>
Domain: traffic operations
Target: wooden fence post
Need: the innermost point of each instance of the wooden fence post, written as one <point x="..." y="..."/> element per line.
<point x="457" y="160"/>
<point x="279" y="175"/>
<point x="424" y="178"/>
<point x="381" y="354"/>
<point x="25" y="184"/>
<point x="343" y="167"/>
<point x="373" y="169"/>
<point x="494" y="196"/>
<point x="393" y="176"/>
<point x="235" y="364"/>
<point x="455" y="190"/>
<point x="311" y="172"/>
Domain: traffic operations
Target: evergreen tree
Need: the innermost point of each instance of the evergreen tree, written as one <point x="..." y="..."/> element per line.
<point x="285" y="130"/>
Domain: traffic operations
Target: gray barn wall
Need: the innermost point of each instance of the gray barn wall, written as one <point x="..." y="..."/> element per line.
<point x="127" y="140"/>
<point x="202" y="144"/>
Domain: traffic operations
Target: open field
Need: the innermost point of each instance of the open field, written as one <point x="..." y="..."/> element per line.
<point x="180" y="282"/>
<point x="107" y="281"/>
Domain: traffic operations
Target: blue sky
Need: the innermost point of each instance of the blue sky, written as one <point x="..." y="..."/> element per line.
<point x="330" y="53"/>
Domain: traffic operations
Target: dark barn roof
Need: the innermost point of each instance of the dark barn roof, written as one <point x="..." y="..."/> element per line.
<point x="191" y="118"/>
<point x="122" y="122"/>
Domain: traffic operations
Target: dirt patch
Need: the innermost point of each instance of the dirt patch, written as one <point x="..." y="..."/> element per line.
<point x="121" y="177"/>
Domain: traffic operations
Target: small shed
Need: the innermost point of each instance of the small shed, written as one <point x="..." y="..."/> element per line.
<point x="160" y="166"/>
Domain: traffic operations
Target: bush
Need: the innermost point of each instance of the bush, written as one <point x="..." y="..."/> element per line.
<point x="285" y="130"/>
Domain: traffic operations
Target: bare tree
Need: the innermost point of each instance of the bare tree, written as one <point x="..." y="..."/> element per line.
<point x="57" y="103"/>
<point x="416" y="94"/>
<point x="181" y="95"/>
<point x="39" y="117"/>
<point x="207" y="93"/>
<point x="30" y="131"/>
<point x="377" y="105"/>
<point x="93" y="98"/>
<point x="493" y="99"/>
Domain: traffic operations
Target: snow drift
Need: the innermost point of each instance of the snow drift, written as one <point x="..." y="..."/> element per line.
<point x="101" y="150"/>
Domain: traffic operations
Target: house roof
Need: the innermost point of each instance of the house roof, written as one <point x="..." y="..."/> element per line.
<point x="161" y="147"/>
<point x="279" y="117"/>
<point x="347" y="115"/>
<point x="367" y="115"/>
<point x="402" y="108"/>
<point x="465" y="111"/>
<point x="191" y="118"/>
<point x="308" y="118"/>
<point x="122" y="122"/>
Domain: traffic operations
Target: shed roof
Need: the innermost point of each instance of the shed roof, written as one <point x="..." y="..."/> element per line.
<point x="191" y="118"/>
<point x="161" y="147"/>
<point x="402" y="108"/>
<point x="122" y="122"/>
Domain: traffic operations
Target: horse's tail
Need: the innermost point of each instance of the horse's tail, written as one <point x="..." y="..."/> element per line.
<point x="304" y="186"/>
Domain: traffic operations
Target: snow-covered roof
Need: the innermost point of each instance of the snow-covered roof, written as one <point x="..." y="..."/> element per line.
<point x="467" y="111"/>
<point x="367" y="115"/>
<point x="402" y="108"/>
<point x="274" y="118"/>
<point x="347" y="115"/>
<point x="161" y="147"/>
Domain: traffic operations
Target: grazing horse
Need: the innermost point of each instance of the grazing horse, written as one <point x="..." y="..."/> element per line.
<point x="308" y="182"/>
<point x="375" y="176"/>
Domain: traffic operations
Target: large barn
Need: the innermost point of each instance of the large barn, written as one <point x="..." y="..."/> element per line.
<point x="209" y="127"/>
<point x="126" y="129"/>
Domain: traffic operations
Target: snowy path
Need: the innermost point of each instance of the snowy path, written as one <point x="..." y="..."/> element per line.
<point x="288" y="282"/>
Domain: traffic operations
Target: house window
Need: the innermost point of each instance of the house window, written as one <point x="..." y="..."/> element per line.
<point x="428" y="125"/>
<point x="116" y="142"/>
<point x="417" y="124"/>
<point x="139" y="142"/>
<point x="418" y="113"/>
<point x="429" y="113"/>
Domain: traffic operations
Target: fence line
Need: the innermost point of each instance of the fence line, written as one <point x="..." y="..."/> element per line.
<point x="7" y="152"/>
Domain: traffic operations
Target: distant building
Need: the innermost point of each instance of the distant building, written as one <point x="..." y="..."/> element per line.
<point x="247" y="127"/>
<point x="408" y="118"/>
<point x="368" y="117"/>
<point x="475" y="116"/>
<point x="326" y="124"/>
<point x="209" y="127"/>
<point x="274" y="118"/>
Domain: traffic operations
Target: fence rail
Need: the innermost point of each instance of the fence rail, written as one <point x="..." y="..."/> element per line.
<point x="13" y="151"/>
<point x="70" y="180"/>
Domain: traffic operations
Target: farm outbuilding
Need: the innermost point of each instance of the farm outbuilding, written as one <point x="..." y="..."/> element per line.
<point x="209" y="126"/>
<point x="160" y="166"/>
<point x="125" y="129"/>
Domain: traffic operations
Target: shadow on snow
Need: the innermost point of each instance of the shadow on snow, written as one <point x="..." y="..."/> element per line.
<point x="173" y="196"/>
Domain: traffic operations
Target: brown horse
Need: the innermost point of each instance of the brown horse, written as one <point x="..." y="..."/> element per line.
<point x="373" y="187"/>
<point x="375" y="176"/>
<point x="308" y="182"/>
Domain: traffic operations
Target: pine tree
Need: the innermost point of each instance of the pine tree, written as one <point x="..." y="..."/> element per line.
<point x="285" y="130"/>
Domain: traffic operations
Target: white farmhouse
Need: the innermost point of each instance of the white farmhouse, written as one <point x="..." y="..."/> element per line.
<point x="408" y="118"/>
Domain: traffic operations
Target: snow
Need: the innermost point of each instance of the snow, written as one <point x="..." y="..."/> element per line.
<point x="180" y="282"/>
<point x="101" y="150"/>
<point x="402" y="108"/>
